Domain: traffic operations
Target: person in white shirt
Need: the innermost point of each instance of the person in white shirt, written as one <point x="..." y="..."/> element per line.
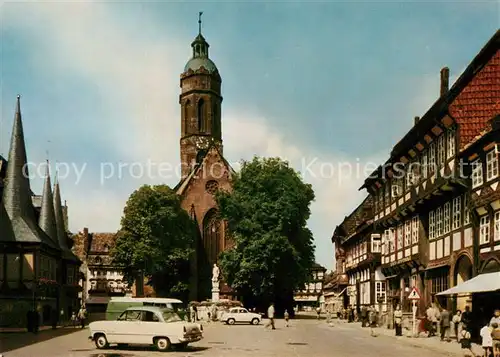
<point x="270" y="315"/>
<point x="495" y="318"/>
<point x="487" y="340"/>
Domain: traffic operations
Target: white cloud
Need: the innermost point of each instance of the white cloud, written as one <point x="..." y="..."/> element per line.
<point x="138" y="81"/>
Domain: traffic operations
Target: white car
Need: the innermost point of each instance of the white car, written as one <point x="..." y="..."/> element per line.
<point x="240" y="314"/>
<point x="145" y="325"/>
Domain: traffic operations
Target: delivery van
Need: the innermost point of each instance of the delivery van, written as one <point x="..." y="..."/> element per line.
<point x="117" y="305"/>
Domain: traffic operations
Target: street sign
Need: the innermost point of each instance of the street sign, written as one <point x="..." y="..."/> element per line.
<point x="414" y="295"/>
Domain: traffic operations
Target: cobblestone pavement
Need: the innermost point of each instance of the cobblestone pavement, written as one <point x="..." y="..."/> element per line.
<point x="302" y="338"/>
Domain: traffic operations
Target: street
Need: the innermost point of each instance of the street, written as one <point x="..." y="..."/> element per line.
<point x="305" y="337"/>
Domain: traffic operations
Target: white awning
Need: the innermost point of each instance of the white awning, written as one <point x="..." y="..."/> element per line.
<point x="479" y="284"/>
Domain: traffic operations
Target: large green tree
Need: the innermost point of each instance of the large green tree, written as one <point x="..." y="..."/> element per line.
<point x="267" y="211"/>
<point x="156" y="238"/>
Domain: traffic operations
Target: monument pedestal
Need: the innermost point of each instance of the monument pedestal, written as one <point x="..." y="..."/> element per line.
<point x="215" y="293"/>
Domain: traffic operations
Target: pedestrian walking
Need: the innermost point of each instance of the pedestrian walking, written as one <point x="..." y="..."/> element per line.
<point x="74" y="319"/>
<point x="270" y="316"/>
<point x="445" y="324"/>
<point x="82" y="316"/>
<point x="487" y="340"/>
<point x="398" y="321"/>
<point x="287" y="318"/>
<point x="364" y="316"/>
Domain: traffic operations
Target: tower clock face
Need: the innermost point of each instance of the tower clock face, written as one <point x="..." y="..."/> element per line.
<point x="202" y="142"/>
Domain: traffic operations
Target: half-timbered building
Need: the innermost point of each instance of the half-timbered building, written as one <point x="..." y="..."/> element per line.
<point x="425" y="200"/>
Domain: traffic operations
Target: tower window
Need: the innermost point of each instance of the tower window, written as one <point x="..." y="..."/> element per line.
<point x="215" y="120"/>
<point x="187" y="109"/>
<point x="201" y="115"/>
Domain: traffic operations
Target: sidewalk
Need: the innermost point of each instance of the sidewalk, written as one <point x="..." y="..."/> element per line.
<point x="12" y="339"/>
<point x="431" y="343"/>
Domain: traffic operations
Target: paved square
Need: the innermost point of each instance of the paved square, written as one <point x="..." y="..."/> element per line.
<point x="302" y="338"/>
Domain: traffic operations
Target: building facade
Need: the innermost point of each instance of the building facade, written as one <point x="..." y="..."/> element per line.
<point x="311" y="296"/>
<point x="38" y="270"/>
<point x="433" y="200"/>
<point x="204" y="169"/>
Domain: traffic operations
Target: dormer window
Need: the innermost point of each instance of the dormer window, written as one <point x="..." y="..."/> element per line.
<point x="491" y="165"/>
<point x="477" y="173"/>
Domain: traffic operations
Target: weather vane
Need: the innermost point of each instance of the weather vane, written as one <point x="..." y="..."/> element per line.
<point x="199" y="21"/>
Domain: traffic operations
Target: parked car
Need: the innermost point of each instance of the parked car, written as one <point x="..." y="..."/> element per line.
<point x="240" y="315"/>
<point x="145" y="325"/>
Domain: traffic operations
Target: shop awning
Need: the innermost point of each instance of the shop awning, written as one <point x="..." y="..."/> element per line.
<point x="479" y="284"/>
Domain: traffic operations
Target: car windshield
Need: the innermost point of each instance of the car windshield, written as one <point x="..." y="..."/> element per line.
<point x="170" y="316"/>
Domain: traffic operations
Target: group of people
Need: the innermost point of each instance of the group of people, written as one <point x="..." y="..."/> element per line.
<point x="490" y="335"/>
<point x="462" y="323"/>
<point x="34" y="318"/>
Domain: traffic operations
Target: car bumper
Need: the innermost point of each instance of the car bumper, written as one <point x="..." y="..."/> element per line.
<point x="190" y="338"/>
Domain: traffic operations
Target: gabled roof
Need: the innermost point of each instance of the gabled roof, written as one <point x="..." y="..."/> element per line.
<point x="359" y="217"/>
<point x="471" y="100"/>
<point x="181" y="187"/>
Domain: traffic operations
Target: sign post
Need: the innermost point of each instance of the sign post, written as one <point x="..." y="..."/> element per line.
<point x="414" y="296"/>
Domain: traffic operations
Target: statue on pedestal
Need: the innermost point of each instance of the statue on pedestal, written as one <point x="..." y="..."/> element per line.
<point x="215" y="276"/>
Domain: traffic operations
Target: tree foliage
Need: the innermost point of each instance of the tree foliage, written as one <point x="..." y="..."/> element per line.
<point x="267" y="212"/>
<point x="156" y="238"/>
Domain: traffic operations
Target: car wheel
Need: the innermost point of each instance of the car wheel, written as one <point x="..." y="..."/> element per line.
<point x="101" y="342"/>
<point x="162" y="343"/>
<point x="255" y="321"/>
<point x="231" y="321"/>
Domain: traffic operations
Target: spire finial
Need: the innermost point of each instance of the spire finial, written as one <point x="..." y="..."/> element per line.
<point x="199" y="22"/>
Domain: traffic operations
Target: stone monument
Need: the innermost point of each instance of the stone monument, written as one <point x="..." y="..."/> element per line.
<point x="215" y="283"/>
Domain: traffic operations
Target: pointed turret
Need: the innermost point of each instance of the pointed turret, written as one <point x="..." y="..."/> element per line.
<point x="17" y="192"/>
<point x="62" y="236"/>
<point x="47" y="220"/>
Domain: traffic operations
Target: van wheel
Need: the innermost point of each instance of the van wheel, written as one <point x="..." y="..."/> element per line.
<point x="255" y="321"/>
<point x="101" y="341"/>
<point x="162" y="343"/>
<point x="231" y="321"/>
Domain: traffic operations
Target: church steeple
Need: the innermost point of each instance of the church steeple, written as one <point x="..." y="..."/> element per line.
<point x="200" y="102"/>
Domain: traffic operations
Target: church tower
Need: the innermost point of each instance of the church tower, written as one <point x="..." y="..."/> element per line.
<point x="200" y="102"/>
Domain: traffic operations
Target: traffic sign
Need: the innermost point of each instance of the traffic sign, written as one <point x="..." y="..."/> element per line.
<point x="414" y="294"/>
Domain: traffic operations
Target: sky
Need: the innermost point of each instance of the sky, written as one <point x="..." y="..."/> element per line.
<point x="329" y="86"/>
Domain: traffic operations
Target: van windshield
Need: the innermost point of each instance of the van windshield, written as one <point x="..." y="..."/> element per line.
<point x="169" y="316"/>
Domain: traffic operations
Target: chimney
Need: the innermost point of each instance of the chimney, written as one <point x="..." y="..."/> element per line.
<point x="416" y="119"/>
<point x="445" y="80"/>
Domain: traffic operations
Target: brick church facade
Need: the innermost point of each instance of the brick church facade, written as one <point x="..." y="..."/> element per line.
<point x="204" y="169"/>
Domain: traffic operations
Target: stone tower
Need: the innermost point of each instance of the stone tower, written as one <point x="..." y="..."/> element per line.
<point x="200" y="101"/>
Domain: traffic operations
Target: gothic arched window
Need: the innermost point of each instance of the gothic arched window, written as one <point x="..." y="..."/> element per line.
<point x="215" y="119"/>
<point x="201" y="115"/>
<point x="187" y="110"/>
<point x="212" y="234"/>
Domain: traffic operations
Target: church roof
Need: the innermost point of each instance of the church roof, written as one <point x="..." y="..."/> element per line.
<point x="196" y="63"/>
<point x="184" y="183"/>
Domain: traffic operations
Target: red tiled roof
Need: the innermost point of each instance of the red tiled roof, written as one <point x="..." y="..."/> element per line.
<point x="102" y="242"/>
<point x="478" y="102"/>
